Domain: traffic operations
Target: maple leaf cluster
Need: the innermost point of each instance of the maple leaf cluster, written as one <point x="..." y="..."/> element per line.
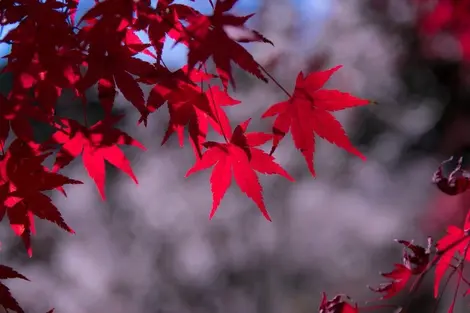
<point x="102" y="48"/>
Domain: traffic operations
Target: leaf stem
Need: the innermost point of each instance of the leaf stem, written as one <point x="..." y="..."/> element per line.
<point x="274" y="80"/>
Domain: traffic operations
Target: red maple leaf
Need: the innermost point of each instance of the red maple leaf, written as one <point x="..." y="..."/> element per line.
<point x="111" y="11"/>
<point x="336" y="305"/>
<point x="455" y="241"/>
<point x="189" y="105"/>
<point x="166" y="21"/>
<point x="242" y="157"/>
<point x="400" y="276"/>
<point x="6" y="299"/>
<point x="414" y="263"/>
<point x="165" y="83"/>
<point x="206" y="36"/>
<point x="23" y="178"/>
<point x="456" y="183"/>
<point x="418" y="260"/>
<point x="96" y="144"/>
<point x="35" y="54"/>
<point x="16" y="117"/>
<point x="308" y="111"/>
<point x="112" y="67"/>
<point x="110" y="63"/>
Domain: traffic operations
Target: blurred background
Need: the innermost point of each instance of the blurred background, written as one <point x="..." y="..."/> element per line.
<point x="150" y="248"/>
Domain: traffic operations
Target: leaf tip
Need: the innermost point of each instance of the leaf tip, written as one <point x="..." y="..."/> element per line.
<point x="337" y="67"/>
